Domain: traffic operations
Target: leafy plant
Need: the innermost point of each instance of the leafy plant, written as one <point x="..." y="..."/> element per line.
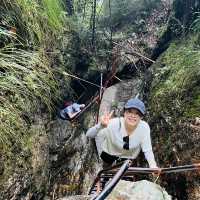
<point x="54" y="12"/>
<point x="35" y="21"/>
<point x="25" y="81"/>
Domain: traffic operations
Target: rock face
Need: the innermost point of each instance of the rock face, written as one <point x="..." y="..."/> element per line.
<point x="73" y="157"/>
<point x="115" y="96"/>
<point x="76" y="197"/>
<point x="174" y="113"/>
<point x="140" y="190"/>
<point x="20" y="181"/>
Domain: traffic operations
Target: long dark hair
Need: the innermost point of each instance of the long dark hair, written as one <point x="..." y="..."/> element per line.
<point x="67" y="103"/>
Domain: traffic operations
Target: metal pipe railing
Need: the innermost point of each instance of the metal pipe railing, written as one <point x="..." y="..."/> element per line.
<point x="109" y="187"/>
<point x="126" y="170"/>
<point x="116" y="166"/>
<point x="166" y="170"/>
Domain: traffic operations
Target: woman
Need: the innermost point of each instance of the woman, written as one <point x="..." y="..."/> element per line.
<point x="71" y="110"/>
<point x="123" y="137"/>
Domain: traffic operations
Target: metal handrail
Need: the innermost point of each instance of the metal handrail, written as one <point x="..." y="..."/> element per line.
<point x="109" y="187"/>
<point x="154" y="170"/>
<point x="126" y="170"/>
<point x="103" y="171"/>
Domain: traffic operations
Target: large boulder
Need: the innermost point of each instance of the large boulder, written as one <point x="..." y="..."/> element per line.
<point x="116" y="96"/>
<point x="140" y="190"/>
<point x="126" y="190"/>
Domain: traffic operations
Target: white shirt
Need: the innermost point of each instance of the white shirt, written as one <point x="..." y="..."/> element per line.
<point x="112" y="140"/>
<point x="71" y="109"/>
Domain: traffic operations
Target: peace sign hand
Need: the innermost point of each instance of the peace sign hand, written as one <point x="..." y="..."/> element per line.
<point x="106" y="118"/>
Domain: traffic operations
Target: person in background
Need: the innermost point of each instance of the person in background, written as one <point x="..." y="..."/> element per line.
<point x="124" y="137"/>
<point x="71" y="110"/>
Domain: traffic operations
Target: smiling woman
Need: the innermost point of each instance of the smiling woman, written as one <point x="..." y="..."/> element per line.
<point x="133" y="112"/>
<point x="124" y="137"/>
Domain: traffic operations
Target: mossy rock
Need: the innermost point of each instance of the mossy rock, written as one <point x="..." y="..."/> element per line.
<point x="174" y="101"/>
<point x="176" y="84"/>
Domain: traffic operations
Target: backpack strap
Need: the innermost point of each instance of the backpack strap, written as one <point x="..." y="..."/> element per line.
<point x="120" y="125"/>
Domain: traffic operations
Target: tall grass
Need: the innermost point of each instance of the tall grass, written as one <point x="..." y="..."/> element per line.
<point x="53" y="11"/>
<point x="25" y="82"/>
<point x="36" y="20"/>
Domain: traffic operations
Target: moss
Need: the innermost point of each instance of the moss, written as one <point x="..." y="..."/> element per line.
<point x="176" y="75"/>
<point x="18" y="159"/>
<point x="193" y="109"/>
<point x="174" y="101"/>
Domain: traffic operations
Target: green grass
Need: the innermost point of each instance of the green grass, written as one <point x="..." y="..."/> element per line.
<point x="53" y="11"/>
<point x="25" y="83"/>
<point x="35" y="21"/>
<point x="175" y="90"/>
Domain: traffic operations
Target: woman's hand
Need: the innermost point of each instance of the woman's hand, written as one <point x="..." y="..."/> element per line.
<point x="104" y="120"/>
<point x="157" y="173"/>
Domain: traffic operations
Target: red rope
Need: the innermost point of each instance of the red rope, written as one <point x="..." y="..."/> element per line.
<point x="95" y="98"/>
<point x="98" y="97"/>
